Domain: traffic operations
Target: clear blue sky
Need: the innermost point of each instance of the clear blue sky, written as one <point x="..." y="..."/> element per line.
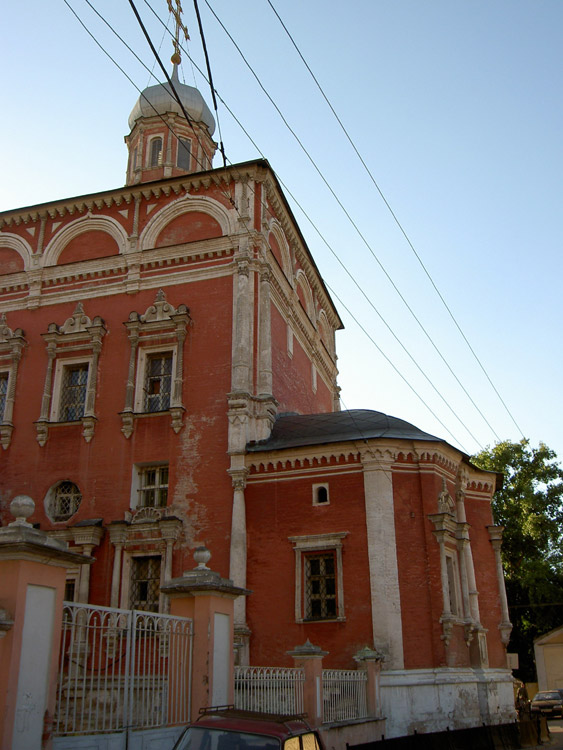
<point x="455" y="107"/>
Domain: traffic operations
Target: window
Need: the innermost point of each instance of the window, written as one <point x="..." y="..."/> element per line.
<point x="144" y="591"/>
<point x="153" y="489"/>
<point x="70" y="590"/>
<point x="4" y="377"/>
<point x="158" y="381"/>
<point x="319" y="580"/>
<point x="73" y="392"/>
<point x="155" y="154"/>
<point x="63" y="500"/>
<point x="320" y="587"/>
<point x="184" y="153"/>
<point x="320" y="494"/>
<point x="69" y="391"/>
<point x="453" y="584"/>
<point x="156" y="363"/>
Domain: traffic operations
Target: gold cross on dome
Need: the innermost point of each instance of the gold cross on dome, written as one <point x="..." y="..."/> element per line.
<point x="175" y="8"/>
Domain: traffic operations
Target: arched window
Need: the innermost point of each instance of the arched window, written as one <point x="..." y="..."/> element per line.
<point x="155" y="152"/>
<point x="63" y="500"/>
<point x="184" y="153"/>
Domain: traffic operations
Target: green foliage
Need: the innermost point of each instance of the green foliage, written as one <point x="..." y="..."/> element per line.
<point x="530" y="507"/>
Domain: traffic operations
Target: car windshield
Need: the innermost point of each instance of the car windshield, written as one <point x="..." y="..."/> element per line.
<point x="548" y="696"/>
<point x="202" y="738"/>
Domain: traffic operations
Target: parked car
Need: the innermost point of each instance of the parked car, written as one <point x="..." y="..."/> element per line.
<point x="548" y="703"/>
<point x="228" y="728"/>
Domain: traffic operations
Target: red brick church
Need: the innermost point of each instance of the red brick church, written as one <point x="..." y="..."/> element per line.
<point x="168" y="380"/>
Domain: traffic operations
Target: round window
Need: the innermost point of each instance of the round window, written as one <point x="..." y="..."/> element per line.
<point x="63" y="500"/>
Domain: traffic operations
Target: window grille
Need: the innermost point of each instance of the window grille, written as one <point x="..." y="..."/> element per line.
<point x="4" y="376"/>
<point x="184" y="152"/>
<point x="158" y="381"/>
<point x="320" y="587"/>
<point x="156" y="152"/>
<point x="145" y="583"/>
<point x="73" y="392"/>
<point x="153" y="490"/>
<point x="65" y="501"/>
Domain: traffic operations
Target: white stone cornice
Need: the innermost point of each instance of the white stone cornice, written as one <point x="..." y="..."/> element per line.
<point x="19" y="245"/>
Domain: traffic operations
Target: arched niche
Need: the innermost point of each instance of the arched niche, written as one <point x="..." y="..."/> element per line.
<point x="280" y="249"/>
<point x="15" y="254"/>
<point x="305" y="294"/>
<point x="169" y="223"/>
<point x="84" y="238"/>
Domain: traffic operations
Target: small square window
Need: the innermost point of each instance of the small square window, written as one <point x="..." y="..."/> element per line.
<point x="153" y="486"/>
<point x="73" y="392"/>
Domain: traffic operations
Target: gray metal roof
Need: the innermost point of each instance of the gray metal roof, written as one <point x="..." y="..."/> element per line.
<point x="293" y="430"/>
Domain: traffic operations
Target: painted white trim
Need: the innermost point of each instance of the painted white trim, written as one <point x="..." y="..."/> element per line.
<point x="144" y="352"/>
<point x="19" y="245"/>
<point x="86" y="223"/>
<point x="60" y="365"/>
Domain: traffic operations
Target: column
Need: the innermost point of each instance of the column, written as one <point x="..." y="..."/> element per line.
<point x="505" y="627"/>
<point x="382" y="552"/>
<point x="118" y="536"/>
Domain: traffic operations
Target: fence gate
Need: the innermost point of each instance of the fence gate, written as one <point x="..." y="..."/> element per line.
<point x="121" y="671"/>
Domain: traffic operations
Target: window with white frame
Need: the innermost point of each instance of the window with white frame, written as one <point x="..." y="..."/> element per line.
<point x="184" y="153"/>
<point x="320" y="586"/>
<point x="144" y="584"/>
<point x="154" y="379"/>
<point x="319" y="580"/>
<point x="153" y="486"/>
<point x="71" y="382"/>
<point x="12" y="344"/>
<point x="62" y="501"/>
<point x="158" y="382"/>
<point x="155" y="152"/>
<point x="156" y="363"/>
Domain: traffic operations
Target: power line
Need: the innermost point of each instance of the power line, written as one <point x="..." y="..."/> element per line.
<point x="305" y="214"/>
<point x="353" y="223"/>
<point x="395" y="218"/>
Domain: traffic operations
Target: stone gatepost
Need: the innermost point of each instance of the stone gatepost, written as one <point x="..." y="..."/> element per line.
<point x="206" y="598"/>
<point x="370" y="661"/>
<point x="309" y="658"/>
<point x="32" y="580"/>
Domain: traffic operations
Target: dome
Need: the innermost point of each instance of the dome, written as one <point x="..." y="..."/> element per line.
<point x="158" y="100"/>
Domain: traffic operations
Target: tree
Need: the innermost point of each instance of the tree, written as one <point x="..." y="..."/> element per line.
<point x="530" y="507"/>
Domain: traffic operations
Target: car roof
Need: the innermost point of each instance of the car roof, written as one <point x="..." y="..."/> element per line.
<point x="252" y="722"/>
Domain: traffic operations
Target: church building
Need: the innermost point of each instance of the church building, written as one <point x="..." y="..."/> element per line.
<point x="168" y="380"/>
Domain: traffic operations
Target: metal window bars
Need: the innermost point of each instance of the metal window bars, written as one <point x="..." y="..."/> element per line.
<point x="73" y="392"/>
<point x="158" y="382"/>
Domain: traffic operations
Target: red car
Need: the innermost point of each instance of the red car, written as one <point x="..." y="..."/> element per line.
<point x="228" y="728"/>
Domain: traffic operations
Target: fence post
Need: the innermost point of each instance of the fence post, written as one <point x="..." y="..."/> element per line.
<point x="206" y="598"/>
<point x="32" y="575"/>
<point x="309" y="658"/>
<point x="370" y="661"/>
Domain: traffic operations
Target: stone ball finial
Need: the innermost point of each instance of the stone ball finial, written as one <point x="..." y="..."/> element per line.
<point x="21" y="507"/>
<point x="202" y="556"/>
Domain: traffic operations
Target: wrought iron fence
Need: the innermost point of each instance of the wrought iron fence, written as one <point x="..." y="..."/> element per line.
<point x="344" y="695"/>
<point x="122" y="669"/>
<point x="269" y="689"/>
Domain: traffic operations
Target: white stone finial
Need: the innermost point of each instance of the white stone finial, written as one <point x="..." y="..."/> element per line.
<point x="21" y="507"/>
<point x="202" y="556"/>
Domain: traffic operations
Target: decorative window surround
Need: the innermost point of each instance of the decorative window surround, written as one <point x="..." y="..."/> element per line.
<point x="81" y="338"/>
<point x="85" y="535"/>
<point x="320" y="494"/>
<point x="306" y="545"/>
<point x="460" y="606"/>
<point x="11" y="347"/>
<point x="150" y="532"/>
<point x="149" y="486"/>
<point x="161" y="329"/>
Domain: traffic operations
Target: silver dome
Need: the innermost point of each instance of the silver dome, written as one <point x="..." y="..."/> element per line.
<point x="158" y="100"/>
